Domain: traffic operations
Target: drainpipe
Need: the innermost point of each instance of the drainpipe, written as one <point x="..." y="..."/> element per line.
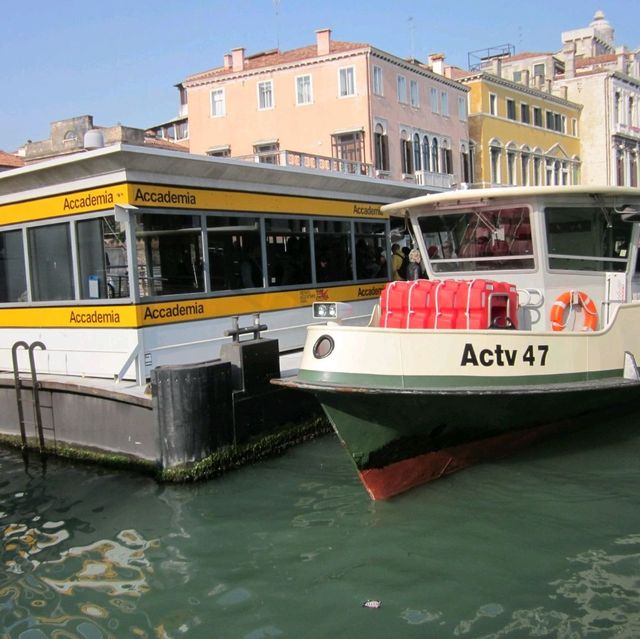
<point x="369" y="113"/>
<point x="608" y="137"/>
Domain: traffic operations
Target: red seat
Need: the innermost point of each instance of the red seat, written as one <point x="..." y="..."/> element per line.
<point x="421" y="304"/>
<point x="393" y="304"/>
<point x="445" y="303"/>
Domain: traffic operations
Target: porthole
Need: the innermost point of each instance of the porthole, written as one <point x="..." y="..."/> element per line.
<point x="323" y="347"/>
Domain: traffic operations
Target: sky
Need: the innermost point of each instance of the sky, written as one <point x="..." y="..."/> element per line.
<point x="119" y="60"/>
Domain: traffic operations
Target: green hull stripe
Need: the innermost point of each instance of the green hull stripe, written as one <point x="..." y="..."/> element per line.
<point x="421" y="382"/>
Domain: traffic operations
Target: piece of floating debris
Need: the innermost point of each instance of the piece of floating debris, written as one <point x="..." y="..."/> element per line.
<point x="372" y="603"/>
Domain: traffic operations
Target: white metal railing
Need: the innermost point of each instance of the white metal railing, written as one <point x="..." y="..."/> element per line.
<point x="428" y="178"/>
<point x="311" y="161"/>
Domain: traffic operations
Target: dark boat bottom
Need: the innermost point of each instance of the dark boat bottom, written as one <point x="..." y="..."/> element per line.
<point x="382" y="483"/>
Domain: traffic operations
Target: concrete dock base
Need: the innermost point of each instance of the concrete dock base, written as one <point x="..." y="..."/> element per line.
<point x="190" y="422"/>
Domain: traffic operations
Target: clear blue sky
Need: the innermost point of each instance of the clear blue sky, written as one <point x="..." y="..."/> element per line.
<point x="119" y="60"/>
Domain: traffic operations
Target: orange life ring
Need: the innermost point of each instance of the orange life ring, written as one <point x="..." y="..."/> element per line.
<point x="567" y="300"/>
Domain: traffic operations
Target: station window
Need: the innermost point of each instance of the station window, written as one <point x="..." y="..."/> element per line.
<point x="102" y="259"/>
<point x="235" y="254"/>
<point x="13" y="279"/>
<point x="288" y="251"/>
<point x="370" y="240"/>
<point x="50" y="262"/>
<point x="169" y="251"/>
<point x="333" y="251"/>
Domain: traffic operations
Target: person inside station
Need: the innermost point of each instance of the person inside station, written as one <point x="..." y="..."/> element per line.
<point x="397" y="260"/>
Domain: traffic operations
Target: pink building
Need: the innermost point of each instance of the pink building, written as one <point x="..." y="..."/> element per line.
<point x="335" y="105"/>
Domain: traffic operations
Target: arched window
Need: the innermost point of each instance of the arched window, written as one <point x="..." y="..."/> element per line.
<point x="525" y="162"/>
<point x="406" y="153"/>
<point x="425" y="153"/>
<point x="435" y="163"/>
<point x="537" y="166"/>
<point x="465" y="163"/>
<point x="511" y="164"/>
<point x="381" y="148"/>
<point x="447" y="158"/>
<point x="495" y="157"/>
<point x="416" y="153"/>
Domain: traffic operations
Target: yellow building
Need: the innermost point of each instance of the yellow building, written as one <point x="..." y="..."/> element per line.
<point x="521" y="135"/>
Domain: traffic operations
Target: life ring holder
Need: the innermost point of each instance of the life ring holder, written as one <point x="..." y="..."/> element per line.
<point x="570" y="299"/>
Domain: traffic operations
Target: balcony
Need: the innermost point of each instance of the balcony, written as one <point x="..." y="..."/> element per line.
<point x="627" y="130"/>
<point x="434" y="180"/>
<point x="310" y="161"/>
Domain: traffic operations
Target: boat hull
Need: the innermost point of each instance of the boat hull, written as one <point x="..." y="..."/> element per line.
<point x="400" y="439"/>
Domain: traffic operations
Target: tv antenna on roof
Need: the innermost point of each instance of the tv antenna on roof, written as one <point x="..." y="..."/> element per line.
<point x="276" y="8"/>
<point x="412" y="30"/>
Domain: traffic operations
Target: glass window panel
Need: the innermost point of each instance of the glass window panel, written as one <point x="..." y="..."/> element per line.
<point x="288" y="252"/>
<point x="371" y="244"/>
<point x="169" y="250"/>
<point x="13" y="279"/>
<point x="497" y="239"/>
<point x="587" y="239"/>
<point x="333" y="251"/>
<point x="235" y="254"/>
<point x="50" y="262"/>
<point x="102" y="258"/>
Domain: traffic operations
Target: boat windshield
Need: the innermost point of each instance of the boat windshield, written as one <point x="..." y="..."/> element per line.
<point x="587" y="238"/>
<point x="473" y="240"/>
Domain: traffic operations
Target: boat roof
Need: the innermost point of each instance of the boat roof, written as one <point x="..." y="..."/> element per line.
<point x="476" y="197"/>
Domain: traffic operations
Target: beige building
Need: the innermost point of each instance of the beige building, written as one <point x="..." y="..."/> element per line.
<point x="336" y="105"/>
<point x="592" y="70"/>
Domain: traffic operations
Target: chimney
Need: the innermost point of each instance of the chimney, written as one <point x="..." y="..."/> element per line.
<point x="569" y="51"/>
<point x="497" y="67"/>
<point x="228" y="61"/>
<point x="237" y="59"/>
<point x="323" y="41"/>
<point x="524" y="77"/>
<point x="436" y="61"/>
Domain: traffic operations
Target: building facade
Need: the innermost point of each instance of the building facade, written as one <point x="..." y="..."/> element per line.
<point x="338" y="105"/>
<point x="521" y="135"/>
<point x="593" y="71"/>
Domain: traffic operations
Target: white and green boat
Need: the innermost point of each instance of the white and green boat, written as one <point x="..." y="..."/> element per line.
<point x="527" y="320"/>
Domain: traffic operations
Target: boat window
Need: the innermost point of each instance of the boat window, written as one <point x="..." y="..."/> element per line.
<point x="50" y="262"/>
<point x="587" y="239"/>
<point x="371" y="244"/>
<point x="288" y="251"/>
<point x="13" y="278"/>
<point x="332" y="250"/>
<point x="235" y="254"/>
<point x="487" y="239"/>
<point x="102" y="259"/>
<point x="169" y="250"/>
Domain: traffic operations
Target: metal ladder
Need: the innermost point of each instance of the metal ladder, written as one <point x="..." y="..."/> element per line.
<point x="35" y="388"/>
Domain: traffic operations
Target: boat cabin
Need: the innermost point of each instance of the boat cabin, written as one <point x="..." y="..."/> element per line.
<point x="564" y="257"/>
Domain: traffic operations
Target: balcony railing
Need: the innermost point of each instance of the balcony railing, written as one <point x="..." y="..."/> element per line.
<point x="310" y="161"/>
<point x="351" y="167"/>
<point x="437" y="180"/>
<point x="627" y="129"/>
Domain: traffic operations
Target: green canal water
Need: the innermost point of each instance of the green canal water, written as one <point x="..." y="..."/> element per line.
<point x="544" y="544"/>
